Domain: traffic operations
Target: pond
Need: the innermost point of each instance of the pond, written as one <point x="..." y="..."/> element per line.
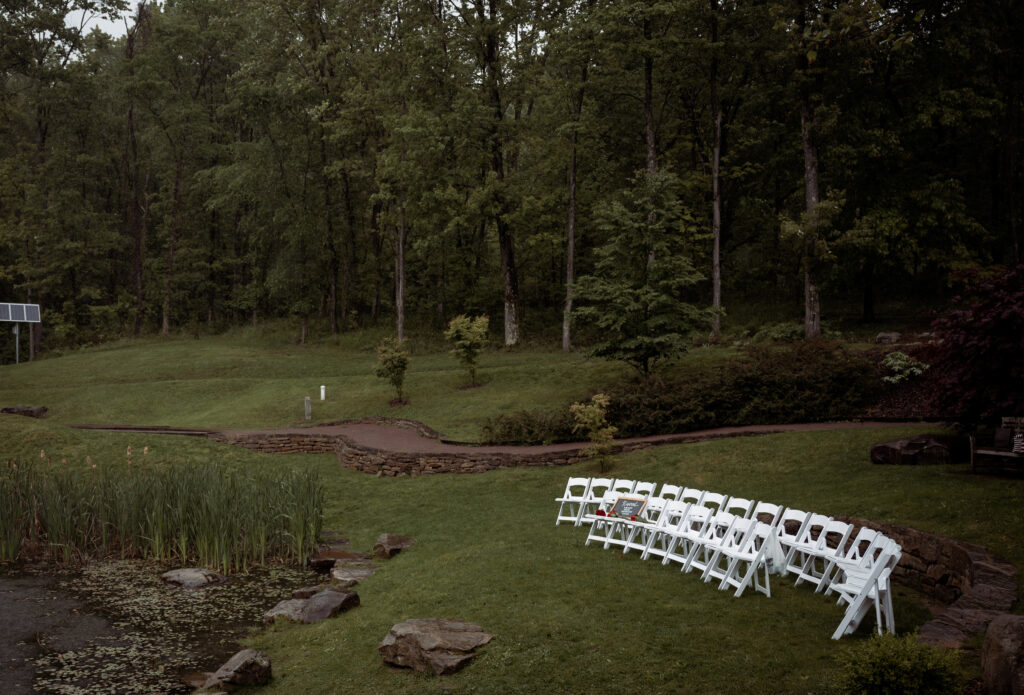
<point x="116" y="627"/>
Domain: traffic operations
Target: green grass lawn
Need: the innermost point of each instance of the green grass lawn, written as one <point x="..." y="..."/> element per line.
<point x="250" y="381"/>
<point x="567" y="618"/>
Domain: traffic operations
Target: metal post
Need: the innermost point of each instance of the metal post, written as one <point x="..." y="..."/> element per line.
<point x="323" y="392"/>
<point x="17" y="343"/>
<point x="309" y="408"/>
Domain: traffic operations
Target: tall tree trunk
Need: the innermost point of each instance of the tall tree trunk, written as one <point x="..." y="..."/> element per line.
<point x="650" y="135"/>
<point x="400" y="235"/>
<point x="172" y="237"/>
<point x="508" y="268"/>
<point x="137" y="206"/>
<point x="812" y="300"/>
<point x="716" y="193"/>
<point x="506" y="245"/>
<point x="570" y="248"/>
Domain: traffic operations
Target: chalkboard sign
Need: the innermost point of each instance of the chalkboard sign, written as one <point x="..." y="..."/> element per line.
<point x="628" y="506"/>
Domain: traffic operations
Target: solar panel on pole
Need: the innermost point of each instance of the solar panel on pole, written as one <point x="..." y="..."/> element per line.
<point x="27" y="313"/>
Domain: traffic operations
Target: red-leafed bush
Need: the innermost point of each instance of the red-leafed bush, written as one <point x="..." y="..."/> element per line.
<point x="978" y="364"/>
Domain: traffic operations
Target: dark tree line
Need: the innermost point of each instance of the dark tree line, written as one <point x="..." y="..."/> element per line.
<point x="358" y="162"/>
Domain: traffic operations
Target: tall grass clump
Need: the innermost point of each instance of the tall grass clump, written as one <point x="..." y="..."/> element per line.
<point x="221" y="517"/>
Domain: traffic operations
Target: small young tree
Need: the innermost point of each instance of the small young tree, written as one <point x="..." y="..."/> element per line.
<point x="392" y="361"/>
<point x="468" y="337"/>
<point x="590" y="417"/>
<point x="635" y="296"/>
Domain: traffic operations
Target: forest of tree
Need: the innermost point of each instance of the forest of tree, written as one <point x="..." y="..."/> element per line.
<point x="399" y="162"/>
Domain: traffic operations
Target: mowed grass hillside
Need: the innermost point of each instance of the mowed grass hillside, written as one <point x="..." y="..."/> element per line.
<point x="252" y="380"/>
<point x="567" y="618"/>
<point x="575" y="619"/>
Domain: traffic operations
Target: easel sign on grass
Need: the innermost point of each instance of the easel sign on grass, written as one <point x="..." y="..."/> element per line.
<point x="627" y="507"/>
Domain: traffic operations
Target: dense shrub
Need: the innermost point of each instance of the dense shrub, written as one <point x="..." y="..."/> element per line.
<point x="804" y="382"/>
<point x="890" y="665"/>
<point x="530" y="427"/>
<point x="977" y="364"/>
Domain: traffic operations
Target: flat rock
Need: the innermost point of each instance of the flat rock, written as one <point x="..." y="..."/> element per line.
<point x="321" y="606"/>
<point x="193" y="577"/>
<point x="308" y="591"/>
<point x="327" y="604"/>
<point x="247" y="667"/>
<point x="289" y="609"/>
<point x="1002" y="656"/>
<point x="390" y="544"/>
<point x="432" y="644"/>
<point x="350" y="575"/>
<point x="887" y="338"/>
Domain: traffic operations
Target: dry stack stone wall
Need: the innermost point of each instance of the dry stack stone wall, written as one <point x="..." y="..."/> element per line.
<point x="392" y="463"/>
<point x="281" y="443"/>
<point x="975" y="585"/>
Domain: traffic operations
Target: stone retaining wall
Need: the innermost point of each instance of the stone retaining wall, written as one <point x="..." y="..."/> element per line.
<point x="975" y="585"/>
<point x="280" y="443"/>
<point x="391" y="463"/>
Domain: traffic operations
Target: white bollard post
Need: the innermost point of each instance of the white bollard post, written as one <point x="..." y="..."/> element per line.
<point x="309" y="408"/>
<point x="323" y="392"/>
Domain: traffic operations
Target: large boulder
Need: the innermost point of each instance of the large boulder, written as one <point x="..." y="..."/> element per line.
<point x="1002" y="656"/>
<point x="432" y="644"/>
<point x="390" y="544"/>
<point x="910" y="452"/>
<point x="247" y="667"/>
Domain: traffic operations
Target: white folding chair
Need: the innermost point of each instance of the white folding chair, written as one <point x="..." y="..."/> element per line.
<point x="649" y="521"/>
<point x="831" y="544"/>
<point x="860" y="590"/>
<point x="686" y="539"/>
<point x="571" y="501"/>
<point x="645" y="489"/>
<point x="739" y="557"/>
<point x="598" y="488"/>
<point x="672" y="518"/>
<point x="861" y="554"/>
<point x="739" y="506"/>
<point x="600" y="525"/>
<point x="767" y="513"/>
<point x="670" y="491"/>
<point x="717" y="531"/>
<point x="623" y="486"/>
<point x="684" y="536"/>
<point x="806" y="542"/>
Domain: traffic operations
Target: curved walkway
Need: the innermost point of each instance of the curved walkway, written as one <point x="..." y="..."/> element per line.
<point x="410" y="437"/>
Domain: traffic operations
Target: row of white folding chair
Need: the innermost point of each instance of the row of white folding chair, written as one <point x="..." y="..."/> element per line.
<point x="821" y="552"/>
<point x="700" y="532"/>
<point x="583" y="495"/>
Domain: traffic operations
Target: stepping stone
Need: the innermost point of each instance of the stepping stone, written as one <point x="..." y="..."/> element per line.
<point x="432" y="644"/>
<point x="247" y="667"/>
<point x="349" y="575"/>
<point x="325" y="604"/>
<point x="390" y="544"/>
<point x="193" y="577"/>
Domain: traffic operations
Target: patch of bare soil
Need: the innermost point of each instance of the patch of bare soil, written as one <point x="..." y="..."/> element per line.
<point x="116" y="627"/>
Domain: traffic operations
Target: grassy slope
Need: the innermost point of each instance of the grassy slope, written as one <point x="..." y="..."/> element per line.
<point x="566" y="616"/>
<point x="241" y="382"/>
